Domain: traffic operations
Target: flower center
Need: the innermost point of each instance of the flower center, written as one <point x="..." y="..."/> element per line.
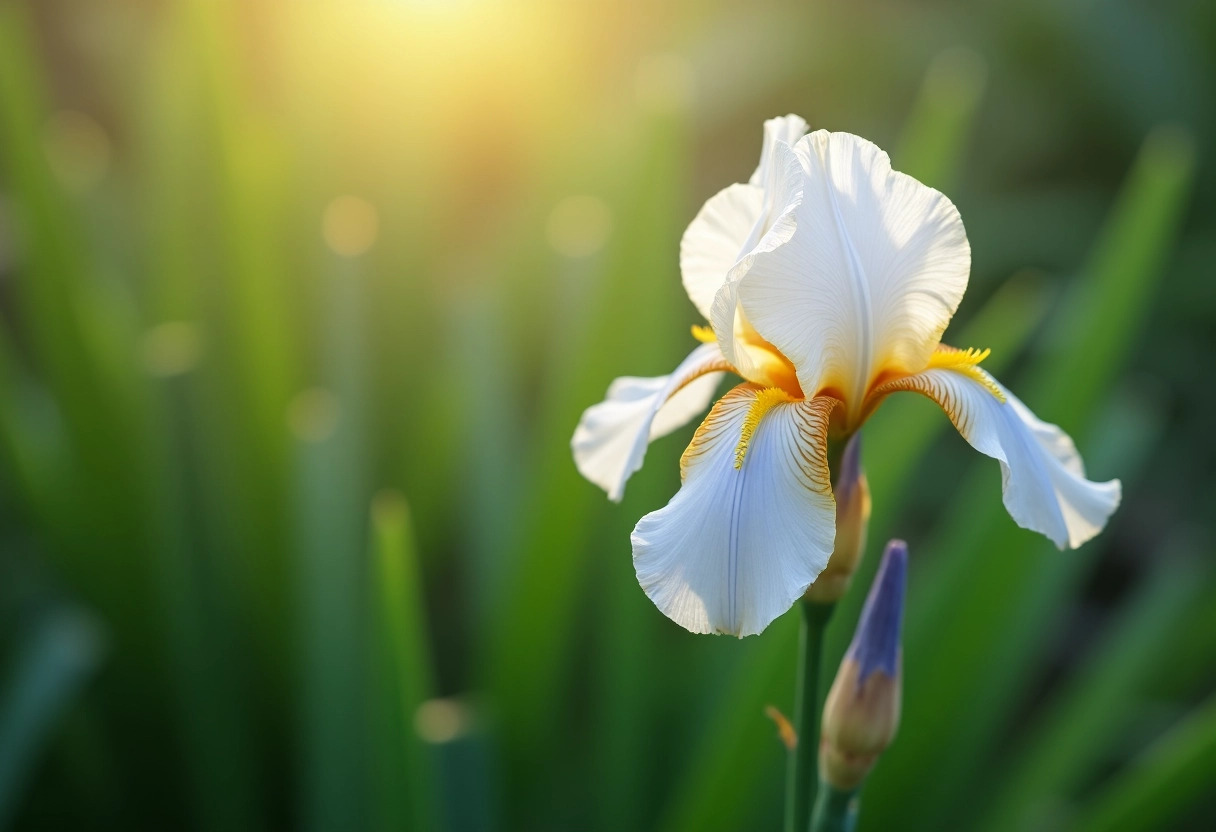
<point x="765" y="364"/>
<point x="770" y="367"/>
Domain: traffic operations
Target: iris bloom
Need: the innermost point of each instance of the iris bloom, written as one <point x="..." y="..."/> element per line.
<point x="828" y="280"/>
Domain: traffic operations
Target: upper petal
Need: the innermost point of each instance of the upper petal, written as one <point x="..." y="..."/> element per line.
<point x="714" y="240"/>
<point x="610" y="441"/>
<point x="731" y="222"/>
<point x="750" y="527"/>
<point x="788" y="129"/>
<point x="1043" y="479"/>
<point x="870" y="277"/>
<point x="753" y="357"/>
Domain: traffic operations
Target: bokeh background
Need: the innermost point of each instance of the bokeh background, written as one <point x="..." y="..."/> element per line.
<point x="300" y="304"/>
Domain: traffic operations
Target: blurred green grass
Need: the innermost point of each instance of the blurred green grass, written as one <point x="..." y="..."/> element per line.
<point x="213" y="372"/>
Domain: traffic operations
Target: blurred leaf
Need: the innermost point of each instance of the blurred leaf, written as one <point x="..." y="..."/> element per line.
<point x="211" y="705"/>
<point x="53" y="663"/>
<point x="29" y="445"/>
<point x="59" y="323"/>
<point x="330" y="533"/>
<point x="48" y="240"/>
<point x="539" y="608"/>
<point x="936" y="133"/>
<point x="1096" y="327"/>
<point x="406" y="787"/>
<point x="1156" y="789"/>
<point x="1187" y="665"/>
<point x="1083" y="721"/>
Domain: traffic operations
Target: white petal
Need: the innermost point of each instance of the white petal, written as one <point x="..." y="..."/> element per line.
<point x="714" y="239"/>
<point x="610" y="441"/>
<point x="736" y="335"/>
<point x="731" y="223"/>
<point x="870" y="277"/>
<point x="1043" y="479"/>
<point x="736" y="547"/>
<point x="788" y="129"/>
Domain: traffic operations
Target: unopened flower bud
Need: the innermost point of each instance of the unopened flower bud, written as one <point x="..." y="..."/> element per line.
<point x="861" y="713"/>
<point x="852" y="520"/>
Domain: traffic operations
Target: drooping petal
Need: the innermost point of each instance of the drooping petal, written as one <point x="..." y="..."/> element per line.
<point x="788" y="129"/>
<point x="733" y="220"/>
<point x="870" y="277"/>
<point x="610" y="441"/>
<point x="1043" y="479"/>
<point x="753" y="522"/>
<point x="688" y="402"/>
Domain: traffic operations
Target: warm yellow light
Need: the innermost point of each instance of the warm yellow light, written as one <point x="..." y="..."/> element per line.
<point x="442" y="8"/>
<point x="429" y="91"/>
<point x="664" y="83"/>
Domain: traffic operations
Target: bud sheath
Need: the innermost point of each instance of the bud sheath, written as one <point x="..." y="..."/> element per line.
<point x="852" y="520"/>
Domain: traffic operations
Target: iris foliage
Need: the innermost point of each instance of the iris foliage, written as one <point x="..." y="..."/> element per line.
<point x="289" y="532"/>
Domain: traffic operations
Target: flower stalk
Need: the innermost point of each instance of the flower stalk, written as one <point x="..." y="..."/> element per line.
<point x="835" y="809"/>
<point x="802" y="773"/>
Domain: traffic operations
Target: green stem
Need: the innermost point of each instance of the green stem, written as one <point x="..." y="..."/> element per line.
<point x="802" y="775"/>
<point x="835" y="809"/>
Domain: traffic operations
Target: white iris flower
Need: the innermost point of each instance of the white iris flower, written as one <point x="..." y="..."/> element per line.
<point x="829" y="279"/>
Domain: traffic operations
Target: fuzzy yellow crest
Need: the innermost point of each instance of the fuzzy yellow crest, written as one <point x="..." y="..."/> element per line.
<point x="965" y="362"/>
<point x="765" y="401"/>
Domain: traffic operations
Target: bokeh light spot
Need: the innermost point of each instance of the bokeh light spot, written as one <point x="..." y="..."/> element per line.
<point x="579" y="226"/>
<point x="78" y="150"/>
<point x="350" y="225"/>
<point x="172" y="348"/>
<point x="441" y="720"/>
<point x="313" y="415"/>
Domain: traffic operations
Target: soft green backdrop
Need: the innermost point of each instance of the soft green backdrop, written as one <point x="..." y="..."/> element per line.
<point x="299" y="306"/>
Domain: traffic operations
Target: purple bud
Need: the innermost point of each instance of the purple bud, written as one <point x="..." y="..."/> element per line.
<point x="861" y="713"/>
<point x="876" y="642"/>
<point x="850" y="467"/>
<point x="852" y="520"/>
